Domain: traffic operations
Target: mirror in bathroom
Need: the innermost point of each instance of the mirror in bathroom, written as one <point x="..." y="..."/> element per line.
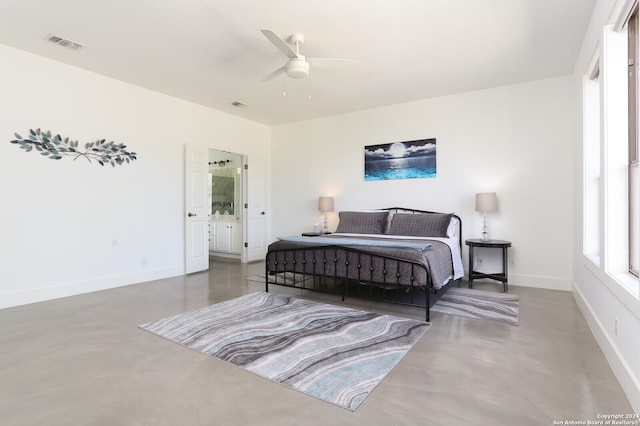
<point x="225" y="183"/>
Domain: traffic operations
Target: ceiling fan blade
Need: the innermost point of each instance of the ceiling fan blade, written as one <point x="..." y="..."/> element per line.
<point x="274" y="74"/>
<point x="282" y="45"/>
<point x="333" y="62"/>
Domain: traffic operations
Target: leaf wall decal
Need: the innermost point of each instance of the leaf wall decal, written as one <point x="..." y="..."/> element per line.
<point x="55" y="148"/>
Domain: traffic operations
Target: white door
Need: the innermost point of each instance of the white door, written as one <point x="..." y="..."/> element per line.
<point x="196" y="211"/>
<point x="255" y="236"/>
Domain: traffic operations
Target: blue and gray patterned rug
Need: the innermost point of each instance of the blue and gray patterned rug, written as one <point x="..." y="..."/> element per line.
<point x="478" y="304"/>
<point x="333" y="353"/>
<point x="469" y="303"/>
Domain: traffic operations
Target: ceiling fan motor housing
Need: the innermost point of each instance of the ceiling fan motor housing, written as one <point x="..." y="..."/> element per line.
<point x="297" y="68"/>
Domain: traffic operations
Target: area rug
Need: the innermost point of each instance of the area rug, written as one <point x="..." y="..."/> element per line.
<point x="486" y="305"/>
<point x="333" y="353"/>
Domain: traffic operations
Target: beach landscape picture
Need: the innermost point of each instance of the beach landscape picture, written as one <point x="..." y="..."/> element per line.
<point x="400" y="160"/>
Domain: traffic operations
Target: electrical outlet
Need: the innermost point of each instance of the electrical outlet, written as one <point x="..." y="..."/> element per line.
<point x="478" y="262"/>
<point x="512" y="262"/>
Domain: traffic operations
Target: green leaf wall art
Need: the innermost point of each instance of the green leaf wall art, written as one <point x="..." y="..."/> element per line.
<point x="55" y="147"/>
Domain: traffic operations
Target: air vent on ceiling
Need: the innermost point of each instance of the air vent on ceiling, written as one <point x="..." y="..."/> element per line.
<point x="64" y="42"/>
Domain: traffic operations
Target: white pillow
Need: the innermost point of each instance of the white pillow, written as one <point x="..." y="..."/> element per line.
<point x="452" y="230"/>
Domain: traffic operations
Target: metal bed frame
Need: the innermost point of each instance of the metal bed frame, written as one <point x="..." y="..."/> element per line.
<point x="353" y="272"/>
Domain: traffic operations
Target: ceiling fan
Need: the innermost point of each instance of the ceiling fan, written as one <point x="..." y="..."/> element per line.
<point x="298" y="65"/>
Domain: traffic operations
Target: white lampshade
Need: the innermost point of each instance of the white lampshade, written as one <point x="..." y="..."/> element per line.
<point x="325" y="204"/>
<point x="486" y="202"/>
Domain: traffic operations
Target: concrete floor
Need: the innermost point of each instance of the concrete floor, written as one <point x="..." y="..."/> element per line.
<point x="82" y="361"/>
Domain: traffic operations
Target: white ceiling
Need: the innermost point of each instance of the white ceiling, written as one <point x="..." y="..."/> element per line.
<point x="212" y="51"/>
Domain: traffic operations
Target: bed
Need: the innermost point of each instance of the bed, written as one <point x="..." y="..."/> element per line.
<point x="395" y="255"/>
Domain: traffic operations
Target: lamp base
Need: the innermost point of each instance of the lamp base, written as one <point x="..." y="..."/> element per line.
<point x="485" y="234"/>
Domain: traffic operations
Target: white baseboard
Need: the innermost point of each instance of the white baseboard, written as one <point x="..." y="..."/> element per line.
<point x="41" y="294"/>
<point x="629" y="383"/>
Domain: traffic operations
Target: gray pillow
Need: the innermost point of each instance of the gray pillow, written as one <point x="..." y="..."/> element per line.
<point x="362" y="222"/>
<point x="420" y="225"/>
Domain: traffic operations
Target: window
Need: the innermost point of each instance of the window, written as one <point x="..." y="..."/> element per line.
<point x="633" y="174"/>
<point x="611" y="179"/>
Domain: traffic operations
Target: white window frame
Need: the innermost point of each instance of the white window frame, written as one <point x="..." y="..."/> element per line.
<point x="633" y="175"/>
<point x="607" y="255"/>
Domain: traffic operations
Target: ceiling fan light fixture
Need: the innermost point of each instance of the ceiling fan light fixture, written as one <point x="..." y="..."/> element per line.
<point x="297" y="68"/>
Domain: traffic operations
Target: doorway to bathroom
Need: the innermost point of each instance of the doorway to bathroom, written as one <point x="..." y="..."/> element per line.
<point x="225" y="195"/>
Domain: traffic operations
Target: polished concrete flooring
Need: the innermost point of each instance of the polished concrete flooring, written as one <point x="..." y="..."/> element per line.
<point x="82" y="361"/>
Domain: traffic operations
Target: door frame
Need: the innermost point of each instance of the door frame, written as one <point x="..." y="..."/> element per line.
<point x="243" y="198"/>
<point x="245" y="159"/>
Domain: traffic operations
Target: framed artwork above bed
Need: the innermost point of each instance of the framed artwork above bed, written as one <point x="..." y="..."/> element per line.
<point x="400" y="160"/>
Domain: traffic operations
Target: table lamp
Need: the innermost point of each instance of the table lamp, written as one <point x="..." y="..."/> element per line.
<point x="486" y="202"/>
<point x="325" y="204"/>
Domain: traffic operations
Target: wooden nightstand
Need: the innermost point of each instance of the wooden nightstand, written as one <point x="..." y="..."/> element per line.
<point x="503" y="276"/>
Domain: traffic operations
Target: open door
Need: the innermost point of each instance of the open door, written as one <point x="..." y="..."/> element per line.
<point x="255" y="209"/>
<point x="196" y="209"/>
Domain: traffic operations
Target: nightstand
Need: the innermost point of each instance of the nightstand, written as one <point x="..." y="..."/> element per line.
<point x="314" y="234"/>
<point x="503" y="276"/>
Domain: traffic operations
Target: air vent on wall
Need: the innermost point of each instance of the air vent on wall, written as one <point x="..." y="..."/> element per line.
<point x="64" y="42"/>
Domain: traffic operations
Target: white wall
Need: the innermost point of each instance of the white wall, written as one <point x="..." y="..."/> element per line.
<point x="513" y="140"/>
<point x="69" y="227"/>
<point x="601" y="300"/>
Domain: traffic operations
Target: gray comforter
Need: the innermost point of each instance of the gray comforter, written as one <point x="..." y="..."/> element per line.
<point x="381" y="265"/>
